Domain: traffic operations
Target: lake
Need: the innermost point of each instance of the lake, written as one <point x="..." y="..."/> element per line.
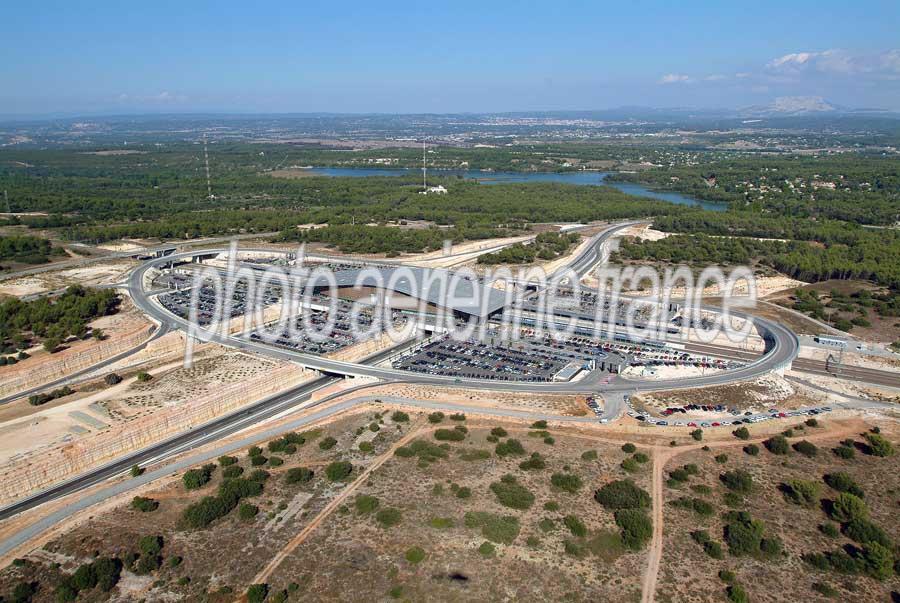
<point x="581" y="178"/>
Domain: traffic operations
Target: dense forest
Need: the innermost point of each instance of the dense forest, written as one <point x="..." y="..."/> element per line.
<point x="53" y="320"/>
<point x="26" y="250"/>
<point x="864" y="189"/>
<point x="873" y="256"/>
<point x="161" y="193"/>
<point x="546" y="246"/>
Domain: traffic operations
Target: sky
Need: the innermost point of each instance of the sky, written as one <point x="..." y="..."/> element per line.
<point x="101" y="57"/>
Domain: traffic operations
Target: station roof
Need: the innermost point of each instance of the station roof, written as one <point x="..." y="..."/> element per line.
<point x="432" y="285"/>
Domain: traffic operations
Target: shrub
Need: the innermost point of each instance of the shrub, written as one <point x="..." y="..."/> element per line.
<point x="327" y="443"/>
<point x="741" y="433"/>
<point x="636" y="526"/>
<point x="844" y="452"/>
<point x="487" y="549"/>
<point x="144" y="505"/>
<point x="458" y="416"/>
<point x="436" y="417"/>
<point x="496" y="528"/>
<point x="777" y="445"/>
<point x="698" y="505"/>
<point x="743" y="534"/>
<point x="276" y="461"/>
<point x="622" y="494"/>
<point x="721" y="458"/>
<point x="847" y="507"/>
<point x="108" y="571"/>
<point x="830" y="530"/>
<point x="441" y="523"/>
<point x="751" y="449"/>
<point x="451" y="435"/>
<point x="726" y="576"/>
<point x="568" y="482"/>
<point x="630" y="465"/>
<point x="679" y="475"/>
<point x="842" y="482"/>
<point x="298" y="475"/>
<point x="258" y="460"/>
<point x="539" y="424"/>
<point x="629" y="448"/>
<point x="225" y="461"/>
<point x="499" y="432"/>
<point x="589" y="455"/>
<point x="366" y="504"/>
<point x="257" y="593"/>
<point x="254" y="451"/>
<point x="549" y="440"/>
<point x="737" y="594"/>
<point x="415" y="554"/>
<point x="425" y="450"/>
<point x="400" y="417"/>
<point x="771" y="547"/>
<point x="713" y="549"/>
<point x="573" y="548"/>
<point x="801" y="492"/>
<point x="388" y="517"/>
<point x="112" y="379"/>
<point x="697" y="434"/>
<point x="197" y="478"/>
<point x="510" y="446"/>
<point x="232" y="471"/>
<point x="258" y="475"/>
<point x="864" y="531"/>
<point x="812" y="422"/>
<point x="575" y="525"/>
<point x="641" y="457"/>
<point x="825" y="590"/>
<point x="806" y="448"/>
<point x="512" y="494"/>
<point x="737" y="481"/>
<point x="878" y="560"/>
<point x="535" y="462"/>
<point x="878" y="445"/>
<point x="551" y="505"/>
<point x="246" y="511"/>
<point x="136" y="471"/>
<point x="338" y="471"/>
<point x="476" y="454"/>
<point x="144" y="376"/>
<point x="210" y="508"/>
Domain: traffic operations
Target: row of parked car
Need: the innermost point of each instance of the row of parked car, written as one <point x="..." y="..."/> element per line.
<point x="748" y="417"/>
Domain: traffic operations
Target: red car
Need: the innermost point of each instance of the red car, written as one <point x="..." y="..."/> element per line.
<point x="691" y="424"/>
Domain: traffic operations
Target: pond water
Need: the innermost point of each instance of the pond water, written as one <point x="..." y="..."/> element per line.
<point x="580" y="177"/>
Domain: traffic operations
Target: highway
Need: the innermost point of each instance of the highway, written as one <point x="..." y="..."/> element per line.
<point x="216" y="429"/>
<point x="278" y="404"/>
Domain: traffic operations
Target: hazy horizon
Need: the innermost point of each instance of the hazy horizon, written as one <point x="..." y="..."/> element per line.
<point x="109" y="59"/>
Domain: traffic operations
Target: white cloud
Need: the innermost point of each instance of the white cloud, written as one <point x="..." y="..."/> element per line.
<point x="837" y="62"/>
<point x="714" y="78"/>
<point x="675" y="78"/>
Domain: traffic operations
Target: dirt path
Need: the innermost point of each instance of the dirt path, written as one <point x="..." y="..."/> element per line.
<point x="661" y="457"/>
<point x="648" y="587"/>
<point x="297" y="540"/>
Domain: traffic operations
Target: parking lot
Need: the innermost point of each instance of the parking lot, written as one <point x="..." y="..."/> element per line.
<point x="677" y="415"/>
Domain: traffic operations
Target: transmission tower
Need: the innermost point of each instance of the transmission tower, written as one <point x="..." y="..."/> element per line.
<point x="209" y="194"/>
<point x="424" y="169"/>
